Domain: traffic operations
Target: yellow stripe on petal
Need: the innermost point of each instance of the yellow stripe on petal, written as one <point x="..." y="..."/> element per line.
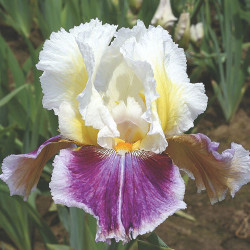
<point x="168" y="104"/>
<point x="136" y="145"/>
<point x="72" y="126"/>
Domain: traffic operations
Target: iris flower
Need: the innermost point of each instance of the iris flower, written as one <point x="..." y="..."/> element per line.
<point x="123" y="101"/>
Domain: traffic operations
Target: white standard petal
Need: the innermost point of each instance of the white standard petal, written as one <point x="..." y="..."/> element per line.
<point x="69" y="61"/>
<point x="65" y="75"/>
<point x="93" y="43"/>
<point x="120" y="90"/>
<point x="179" y="102"/>
<point x="128" y="117"/>
<point x="128" y="89"/>
<point x="155" y="140"/>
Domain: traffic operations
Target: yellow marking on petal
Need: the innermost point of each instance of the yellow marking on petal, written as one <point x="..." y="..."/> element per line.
<point x="117" y="140"/>
<point x="64" y="140"/>
<point x="168" y="103"/>
<point x="77" y="131"/>
<point x="136" y="145"/>
<point x="143" y="97"/>
<point x="78" y="81"/>
<point x="75" y="128"/>
<point x="85" y="134"/>
<point x="76" y="149"/>
<point x="137" y="136"/>
<point x="123" y="147"/>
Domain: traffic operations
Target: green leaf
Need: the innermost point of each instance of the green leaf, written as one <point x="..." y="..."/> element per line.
<point x="18" y="14"/>
<point x="147" y="11"/>
<point x="245" y="15"/>
<point x="17" y="115"/>
<point x="185" y="215"/>
<point x="49" y="16"/>
<point x="58" y="247"/>
<point x="76" y="234"/>
<point x="132" y="245"/>
<point x="16" y="71"/>
<point x="81" y="228"/>
<point x="152" y="242"/>
<point x="143" y="245"/>
<point x="16" y="217"/>
<point x="228" y="70"/>
<point x="63" y="213"/>
<point x="12" y="63"/>
<point x="8" y="97"/>
<point x="14" y="220"/>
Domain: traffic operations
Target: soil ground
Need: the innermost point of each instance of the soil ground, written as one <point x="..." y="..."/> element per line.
<point x="225" y="225"/>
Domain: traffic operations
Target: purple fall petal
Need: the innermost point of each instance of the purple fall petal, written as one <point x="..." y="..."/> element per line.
<point x="129" y="194"/>
<point x="22" y="172"/>
<point x="215" y="172"/>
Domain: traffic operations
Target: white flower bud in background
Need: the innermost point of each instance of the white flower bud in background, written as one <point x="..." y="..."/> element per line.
<point x="196" y="32"/>
<point x="164" y="15"/>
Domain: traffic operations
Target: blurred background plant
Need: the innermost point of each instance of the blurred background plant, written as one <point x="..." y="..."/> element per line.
<point x="214" y="34"/>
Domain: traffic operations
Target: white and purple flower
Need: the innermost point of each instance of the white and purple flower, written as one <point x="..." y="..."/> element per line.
<point x="123" y="101"/>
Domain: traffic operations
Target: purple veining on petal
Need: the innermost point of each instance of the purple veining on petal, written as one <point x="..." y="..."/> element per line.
<point x="129" y="194"/>
<point x="22" y="172"/>
<point x="101" y="176"/>
<point x="153" y="190"/>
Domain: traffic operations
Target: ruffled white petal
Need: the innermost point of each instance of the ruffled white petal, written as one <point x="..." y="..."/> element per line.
<point x="121" y="78"/>
<point x="69" y="61"/>
<point x="128" y="117"/>
<point x="193" y="102"/>
<point x="240" y="168"/>
<point x="177" y="103"/>
<point x="172" y="102"/>
<point x="123" y="34"/>
<point x="65" y="75"/>
<point x="92" y="45"/>
<point x="98" y="116"/>
<point x="155" y="140"/>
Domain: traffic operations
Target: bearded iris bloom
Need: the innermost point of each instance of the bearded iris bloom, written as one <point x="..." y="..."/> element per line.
<point x="123" y="101"/>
